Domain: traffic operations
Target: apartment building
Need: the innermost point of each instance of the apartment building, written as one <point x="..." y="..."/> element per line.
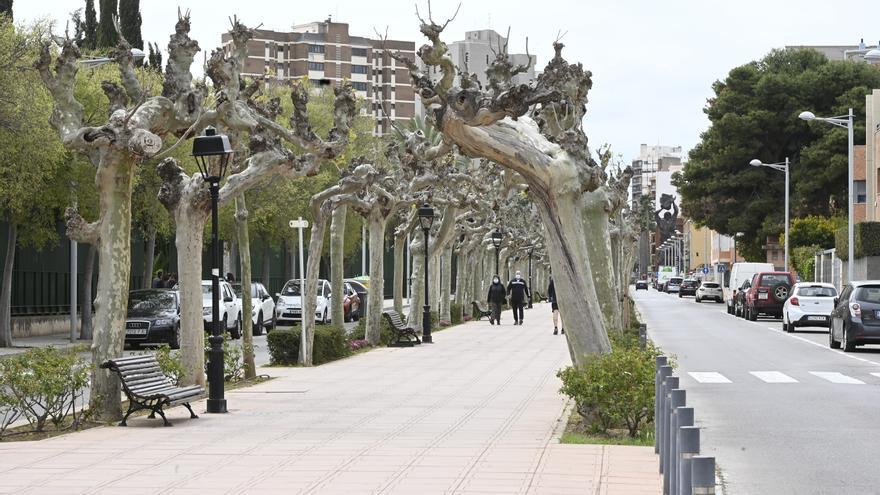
<point x="327" y="53"/>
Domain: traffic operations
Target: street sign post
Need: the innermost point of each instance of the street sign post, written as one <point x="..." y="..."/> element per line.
<point x="705" y="270"/>
<point x="300" y="224"/>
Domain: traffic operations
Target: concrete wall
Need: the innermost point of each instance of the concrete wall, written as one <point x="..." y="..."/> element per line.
<point x="36" y="326"/>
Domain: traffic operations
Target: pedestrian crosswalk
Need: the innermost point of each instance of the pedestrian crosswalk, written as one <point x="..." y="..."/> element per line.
<point x="778" y="377"/>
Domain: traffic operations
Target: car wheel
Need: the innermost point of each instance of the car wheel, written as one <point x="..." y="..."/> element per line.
<point x="753" y="315"/>
<point x="224" y="327"/>
<point x="846" y="344"/>
<point x="831" y="342"/>
<point x="719" y="301"/>
<point x="174" y="340"/>
<point x="271" y="325"/>
<point x="236" y="330"/>
<point x="696" y="298"/>
<point x="258" y="328"/>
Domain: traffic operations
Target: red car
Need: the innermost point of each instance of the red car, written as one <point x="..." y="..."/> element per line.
<point x="767" y="294"/>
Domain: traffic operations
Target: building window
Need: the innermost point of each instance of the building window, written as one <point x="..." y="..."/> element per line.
<point x="359" y="86"/>
<point x="358" y="52"/>
<point x="359" y="69"/>
<point x="860" y="191"/>
<point x="316" y="66"/>
<point x="316" y="48"/>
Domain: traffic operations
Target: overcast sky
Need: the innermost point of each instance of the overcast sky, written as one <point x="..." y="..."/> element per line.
<point x="653" y="61"/>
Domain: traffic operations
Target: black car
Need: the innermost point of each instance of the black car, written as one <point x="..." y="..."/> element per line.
<point x="855" y="319"/>
<point x="362" y="291"/>
<point x="153" y="318"/>
<point x="642" y="285"/>
<point x="688" y="287"/>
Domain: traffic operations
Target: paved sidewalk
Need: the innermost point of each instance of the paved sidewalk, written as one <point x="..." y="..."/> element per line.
<point x="478" y="411"/>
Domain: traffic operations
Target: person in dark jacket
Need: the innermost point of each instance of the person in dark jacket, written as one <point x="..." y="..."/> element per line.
<point x="157" y="282"/>
<point x="497" y="297"/>
<point x="554" y="306"/>
<point x="519" y="295"/>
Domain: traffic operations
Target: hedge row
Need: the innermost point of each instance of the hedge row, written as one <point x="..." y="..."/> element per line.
<point x="867" y="240"/>
<point x="330" y="344"/>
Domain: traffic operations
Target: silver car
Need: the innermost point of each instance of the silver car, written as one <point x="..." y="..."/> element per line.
<point x="709" y="290"/>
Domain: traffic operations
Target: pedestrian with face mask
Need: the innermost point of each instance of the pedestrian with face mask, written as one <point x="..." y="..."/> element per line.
<point x="497" y="297"/>
<point x="519" y="294"/>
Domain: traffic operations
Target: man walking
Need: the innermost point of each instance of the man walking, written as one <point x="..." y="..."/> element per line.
<point x="519" y="294"/>
<point x="497" y="297"/>
<point x="157" y="282"/>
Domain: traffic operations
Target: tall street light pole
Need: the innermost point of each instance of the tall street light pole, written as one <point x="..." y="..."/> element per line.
<point x="212" y="153"/>
<point x="784" y="167"/>
<point x="845" y="121"/>
<point x="496" y="241"/>
<point x="426" y="218"/>
<point x="530" y="278"/>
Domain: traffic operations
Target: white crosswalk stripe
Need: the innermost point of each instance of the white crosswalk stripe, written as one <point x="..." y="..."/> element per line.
<point x="835" y="377"/>
<point x="708" y="377"/>
<point x="876" y="374"/>
<point x="773" y="377"/>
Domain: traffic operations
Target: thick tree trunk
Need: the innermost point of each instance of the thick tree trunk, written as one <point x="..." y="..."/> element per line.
<point x="337" y="263"/>
<point x="596" y="227"/>
<point x="416" y="246"/>
<point x="114" y="184"/>
<point x="190" y="222"/>
<point x="310" y="291"/>
<point x="149" y="258"/>
<point x="376" y="295"/>
<point x="86" y="324"/>
<point x="400" y="275"/>
<point x="6" y="289"/>
<point x="247" y="304"/>
<point x="446" y="285"/>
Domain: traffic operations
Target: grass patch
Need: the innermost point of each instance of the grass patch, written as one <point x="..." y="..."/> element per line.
<point x="577" y="432"/>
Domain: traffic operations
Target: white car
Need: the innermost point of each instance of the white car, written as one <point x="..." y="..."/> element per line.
<point x="263" y="310"/>
<point x="810" y="305"/>
<point x="709" y="290"/>
<point x="673" y="285"/>
<point x="288" y="309"/>
<point x="230" y="308"/>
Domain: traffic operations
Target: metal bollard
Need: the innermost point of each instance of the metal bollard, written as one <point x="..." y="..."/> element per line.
<point x="660" y="362"/>
<point x="677" y="398"/>
<point x="643" y="336"/>
<point x="688" y="447"/>
<point x="671" y="382"/>
<point x="702" y="475"/>
<point x="685" y="417"/>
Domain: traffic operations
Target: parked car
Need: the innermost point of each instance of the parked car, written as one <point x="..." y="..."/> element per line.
<point x="767" y="294"/>
<point x="739" y="274"/>
<point x="362" y="290"/>
<point x="673" y="285"/>
<point x="688" y="287"/>
<point x="230" y="308"/>
<point x="641" y="285"/>
<point x="739" y="299"/>
<point x="709" y="290"/>
<point x="810" y="305"/>
<point x="855" y="319"/>
<point x="263" y="310"/>
<point x="153" y="318"/>
<point x="288" y="308"/>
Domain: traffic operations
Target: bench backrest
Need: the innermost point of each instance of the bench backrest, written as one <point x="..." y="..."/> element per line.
<point x="394" y="319"/>
<point x="140" y="375"/>
<point x="479" y="306"/>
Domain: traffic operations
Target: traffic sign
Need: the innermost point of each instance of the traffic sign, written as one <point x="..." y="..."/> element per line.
<point x="721" y="268"/>
<point x="705" y="270"/>
<point x="299" y="224"/>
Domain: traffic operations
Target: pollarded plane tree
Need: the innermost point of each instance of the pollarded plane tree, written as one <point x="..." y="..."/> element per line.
<point x="535" y="130"/>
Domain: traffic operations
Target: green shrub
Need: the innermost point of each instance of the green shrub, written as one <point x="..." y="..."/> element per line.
<point x="615" y="390"/>
<point x="170" y="362"/>
<point x="803" y="259"/>
<point x="867" y="240"/>
<point x="359" y="332"/>
<point x="330" y="344"/>
<point x="233" y="359"/>
<point x="42" y="385"/>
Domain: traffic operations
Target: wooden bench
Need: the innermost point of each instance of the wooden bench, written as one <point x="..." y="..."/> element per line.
<point x="480" y="310"/>
<point x="147" y="387"/>
<point x="404" y="336"/>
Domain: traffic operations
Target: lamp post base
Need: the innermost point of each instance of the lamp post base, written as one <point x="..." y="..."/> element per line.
<point x="217" y="406"/>
<point x="426" y="326"/>
<point x="216" y="399"/>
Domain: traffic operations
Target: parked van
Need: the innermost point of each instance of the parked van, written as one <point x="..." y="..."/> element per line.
<point x="739" y="273"/>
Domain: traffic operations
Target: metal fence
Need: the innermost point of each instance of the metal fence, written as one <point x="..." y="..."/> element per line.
<point x="677" y="440"/>
<point x="829" y="268"/>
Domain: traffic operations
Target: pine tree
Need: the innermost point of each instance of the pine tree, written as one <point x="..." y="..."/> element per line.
<point x="151" y="57"/>
<point x="90" y="27"/>
<point x="6" y="8"/>
<point x="158" y="64"/>
<point x="107" y="37"/>
<point x="130" y="22"/>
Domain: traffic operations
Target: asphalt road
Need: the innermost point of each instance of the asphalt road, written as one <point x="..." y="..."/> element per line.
<point x="781" y="413"/>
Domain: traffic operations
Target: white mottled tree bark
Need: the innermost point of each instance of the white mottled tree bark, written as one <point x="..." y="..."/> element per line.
<point x="400" y="276"/>
<point x="337" y="262"/>
<point x="6" y="290"/>
<point x="247" y="303"/>
<point x="376" y="223"/>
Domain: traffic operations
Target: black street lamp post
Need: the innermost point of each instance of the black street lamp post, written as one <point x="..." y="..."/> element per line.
<point x="212" y="153"/>
<point x="426" y="218"/>
<point x="496" y="241"/>
<point x="530" y="278"/>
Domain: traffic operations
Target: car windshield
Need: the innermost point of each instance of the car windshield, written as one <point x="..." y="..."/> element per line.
<point x="237" y="289"/>
<point x="710" y="285"/>
<point x="868" y="294"/>
<point x="291" y="288"/>
<point x="150" y="302"/>
<point x="817" y="291"/>
<point x="774" y="278"/>
<point x="674" y="280"/>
